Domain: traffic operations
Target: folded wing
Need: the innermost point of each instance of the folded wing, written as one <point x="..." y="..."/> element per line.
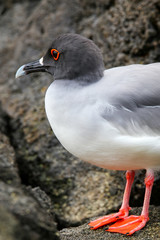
<point x="134" y="94"/>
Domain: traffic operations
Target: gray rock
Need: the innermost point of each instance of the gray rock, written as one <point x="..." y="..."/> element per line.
<point x="8" y="169"/>
<point x="25" y="216"/>
<point x="26" y="213"/>
<point x="9" y="172"/>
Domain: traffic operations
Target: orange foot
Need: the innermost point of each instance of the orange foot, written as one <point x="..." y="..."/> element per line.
<point x="109" y="218"/>
<point x="129" y="225"/>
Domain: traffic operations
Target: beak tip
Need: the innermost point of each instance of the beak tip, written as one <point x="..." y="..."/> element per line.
<point x="20" y="72"/>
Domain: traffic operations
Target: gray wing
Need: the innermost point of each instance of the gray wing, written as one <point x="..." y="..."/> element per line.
<point x="135" y="99"/>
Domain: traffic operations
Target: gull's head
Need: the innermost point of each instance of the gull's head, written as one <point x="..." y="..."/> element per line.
<point x="71" y="56"/>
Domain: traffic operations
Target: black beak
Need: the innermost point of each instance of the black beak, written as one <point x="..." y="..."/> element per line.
<point x="36" y="66"/>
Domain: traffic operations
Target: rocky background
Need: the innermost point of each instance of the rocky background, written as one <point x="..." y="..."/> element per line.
<point x="45" y="193"/>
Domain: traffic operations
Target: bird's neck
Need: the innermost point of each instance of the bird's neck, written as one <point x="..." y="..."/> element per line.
<point x="83" y="80"/>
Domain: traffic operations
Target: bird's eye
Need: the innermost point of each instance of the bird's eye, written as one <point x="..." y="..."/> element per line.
<point x="55" y="54"/>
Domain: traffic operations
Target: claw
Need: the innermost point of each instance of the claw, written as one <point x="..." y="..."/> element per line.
<point x="108" y="219"/>
<point x="128" y="225"/>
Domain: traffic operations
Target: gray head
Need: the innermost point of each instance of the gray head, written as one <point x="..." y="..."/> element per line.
<point x="70" y="57"/>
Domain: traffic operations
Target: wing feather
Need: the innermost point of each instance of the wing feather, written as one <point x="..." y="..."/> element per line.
<point x="134" y="92"/>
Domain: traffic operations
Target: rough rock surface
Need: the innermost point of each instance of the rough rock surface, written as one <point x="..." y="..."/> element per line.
<point x="127" y="32"/>
<point x="26" y="213"/>
<point x="24" y="216"/>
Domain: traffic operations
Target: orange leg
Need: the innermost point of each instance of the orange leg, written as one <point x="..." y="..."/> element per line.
<point x="124" y="210"/>
<point x="131" y="224"/>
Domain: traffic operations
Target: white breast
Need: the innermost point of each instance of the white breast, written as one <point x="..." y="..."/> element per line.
<point x="74" y="115"/>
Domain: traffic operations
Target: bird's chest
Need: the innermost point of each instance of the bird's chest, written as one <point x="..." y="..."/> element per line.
<point x="70" y="118"/>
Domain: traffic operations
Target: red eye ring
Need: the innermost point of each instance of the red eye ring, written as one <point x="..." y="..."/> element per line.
<point x="55" y="54"/>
